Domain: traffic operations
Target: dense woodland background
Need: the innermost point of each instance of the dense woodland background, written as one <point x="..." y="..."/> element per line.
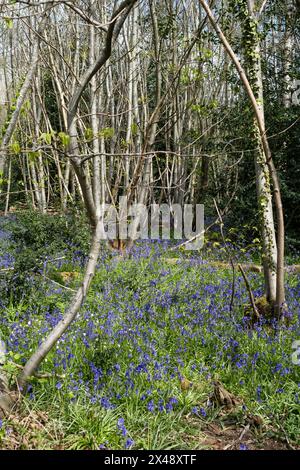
<point x="202" y="145"/>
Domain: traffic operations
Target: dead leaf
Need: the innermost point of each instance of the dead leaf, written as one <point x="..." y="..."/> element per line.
<point x="185" y="384"/>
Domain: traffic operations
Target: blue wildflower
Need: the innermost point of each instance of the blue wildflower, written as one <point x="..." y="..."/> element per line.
<point x="129" y="443"/>
<point x="151" y="406"/>
<point x="243" y="447"/>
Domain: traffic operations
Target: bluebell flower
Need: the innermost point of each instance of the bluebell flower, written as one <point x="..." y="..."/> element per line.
<point x="151" y="406"/>
<point x="129" y="443"/>
<point x="243" y="447"/>
<point x="121" y="426"/>
<point x="258" y="393"/>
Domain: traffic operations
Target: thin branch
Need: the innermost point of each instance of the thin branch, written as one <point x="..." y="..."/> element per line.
<point x="251" y="296"/>
<point x="229" y="256"/>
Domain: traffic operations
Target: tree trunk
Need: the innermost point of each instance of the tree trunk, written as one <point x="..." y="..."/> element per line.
<point x="264" y="196"/>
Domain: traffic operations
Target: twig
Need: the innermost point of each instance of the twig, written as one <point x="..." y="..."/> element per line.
<point x="57" y="283"/>
<point x="207" y="229"/>
<point x="246" y="429"/>
<point x="229" y="256"/>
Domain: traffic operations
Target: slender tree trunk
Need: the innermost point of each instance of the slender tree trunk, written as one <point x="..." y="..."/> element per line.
<point x="95" y="130"/>
<point x="71" y="312"/>
<point x="288" y="54"/>
<point x="264" y="196"/>
<point x="19" y="103"/>
<point x="280" y="291"/>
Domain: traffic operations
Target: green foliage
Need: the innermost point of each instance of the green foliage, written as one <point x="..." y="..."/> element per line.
<point x="204" y="110"/>
<point x="166" y="25"/>
<point x="88" y="134"/>
<point x="25" y="108"/>
<point x="15" y="148"/>
<point x="8" y="22"/>
<point x="134" y="128"/>
<point x="37" y="237"/>
<point x="64" y="138"/>
<point x="107" y="132"/>
<point x="47" y="137"/>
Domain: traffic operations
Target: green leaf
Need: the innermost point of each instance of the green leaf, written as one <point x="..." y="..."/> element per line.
<point x="134" y="128"/>
<point x="64" y="138"/>
<point x="46" y="137"/>
<point x="32" y="156"/>
<point x="88" y="133"/>
<point x="108" y="132"/>
<point x="216" y="244"/>
<point x="15" y="148"/>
